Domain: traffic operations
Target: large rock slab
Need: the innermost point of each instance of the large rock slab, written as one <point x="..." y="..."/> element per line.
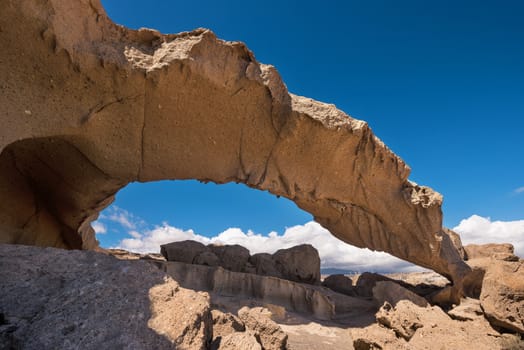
<point x="58" y="299"/>
<point x="300" y="263"/>
<point x="502" y="295"/>
<point x="183" y="251"/>
<point x="313" y="300"/>
<point x="391" y="292"/>
<point x="499" y="251"/>
<point x="340" y="284"/>
<point x="89" y="106"/>
<point x="231" y="257"/>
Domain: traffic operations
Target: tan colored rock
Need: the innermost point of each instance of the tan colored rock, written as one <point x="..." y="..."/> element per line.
<point x="89" y="106"/>
<point x="392" y="293"/>
<point x="182" y="251"/>
<point x="258" y="320"/>
<point x="236" y="341"/>
<point x="502" y="296"/>
<point x="457" y="242"/>
<point x="225" y="323"/>
<point x="59" y="299"/>
<point x="468" y="310"/>
<point x="500" y="251"/>
<point x="314" y="300"/>
<point x="428" y="328"/>
<point x="300" y="263"/>
<point x="375" y="337"/>
<point x="181" y="315"/>
<point x="404" y="324"/>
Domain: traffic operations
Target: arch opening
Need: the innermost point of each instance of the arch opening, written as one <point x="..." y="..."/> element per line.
<point x="146" y="215"/>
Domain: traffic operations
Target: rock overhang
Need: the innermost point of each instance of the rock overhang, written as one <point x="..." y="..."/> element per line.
<point x="93" y="106"/>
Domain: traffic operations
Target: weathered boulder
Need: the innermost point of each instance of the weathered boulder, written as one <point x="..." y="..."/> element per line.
<point x="404" y="323"/>
<point x="366" y="281"/>
<point x="408" y="326"/>
<point x="89" y="106"/>
<point x="232" y="257"/>
<point x="265" y="265"/>
<point x="236" y="341"/>
<point x="182" y="251"/>
<point x="468" y="310"/>
<point x="59" y="299"/>
<point x="300" y="263"/>
<point x="207" y="258"/>
<point x="269" y="334"/>
<point x="225" y="323"/>
<point x="340" y="284"/>
<point x="502" y="296"/>
<point x="392" y="293"/>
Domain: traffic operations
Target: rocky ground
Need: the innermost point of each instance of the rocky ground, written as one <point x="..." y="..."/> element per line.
<point x="58" y="299"/>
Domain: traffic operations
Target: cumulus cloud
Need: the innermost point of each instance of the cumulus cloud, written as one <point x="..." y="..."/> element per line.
<point x="479" y="230"/>
<point x="333" y="252"/>
<point x="99" y="227"/>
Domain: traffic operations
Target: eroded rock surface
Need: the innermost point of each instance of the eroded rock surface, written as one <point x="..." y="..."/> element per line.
<point x="89" y="106"/>
<point x="269" y="333"/>
<point x="408" y="326"/>
<point x="502" y="296"/>
<point x="340" y="284"/>
<point x="58" y="299"/>
<point x="300" y="263"/>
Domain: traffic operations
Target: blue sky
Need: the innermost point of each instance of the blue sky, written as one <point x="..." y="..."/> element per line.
<point x="440" y="82"/>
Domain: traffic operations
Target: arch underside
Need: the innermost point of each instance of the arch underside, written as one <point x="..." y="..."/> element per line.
<point x="90" y="106"/>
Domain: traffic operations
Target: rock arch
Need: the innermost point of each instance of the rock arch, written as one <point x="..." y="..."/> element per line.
<point x="89" y="106"/>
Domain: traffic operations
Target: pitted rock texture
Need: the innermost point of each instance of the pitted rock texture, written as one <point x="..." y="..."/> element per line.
<point x="58" y="299"/>
<point x="89" y="106"/>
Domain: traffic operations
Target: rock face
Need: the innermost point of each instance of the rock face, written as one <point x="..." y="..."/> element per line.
<point x="502" y="296"/>
<point x="294" y="296"/>
<point x="408" y="326"/>
<point x="269" y="333"/>
<point x="89" y="106"/>
<point x="299" y="263"/>
<point x="503" y="251"/>
<point x="184" y="251"/>
<point x="392" y="293"/>
<point x="340" y="284"/>
<point x="497" y="279"/>
<point x="58" y="299"/>
<point x="231" y="257"/>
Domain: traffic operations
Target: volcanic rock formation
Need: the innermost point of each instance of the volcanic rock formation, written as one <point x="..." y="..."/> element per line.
<point x="89" y="106"/>
<point x="299" y="263"/>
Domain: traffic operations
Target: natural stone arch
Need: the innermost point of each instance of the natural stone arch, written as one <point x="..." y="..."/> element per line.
<point x="102" y="106"/>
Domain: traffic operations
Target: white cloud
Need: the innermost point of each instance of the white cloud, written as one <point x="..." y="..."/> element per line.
<point x="519" y="190"/>
<point x="123" y="218"/>
<point x="333" y="252"/>
<point x="99" y="227"/>
<point x="479" y="230"/>
<point x="135" y="234"/>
